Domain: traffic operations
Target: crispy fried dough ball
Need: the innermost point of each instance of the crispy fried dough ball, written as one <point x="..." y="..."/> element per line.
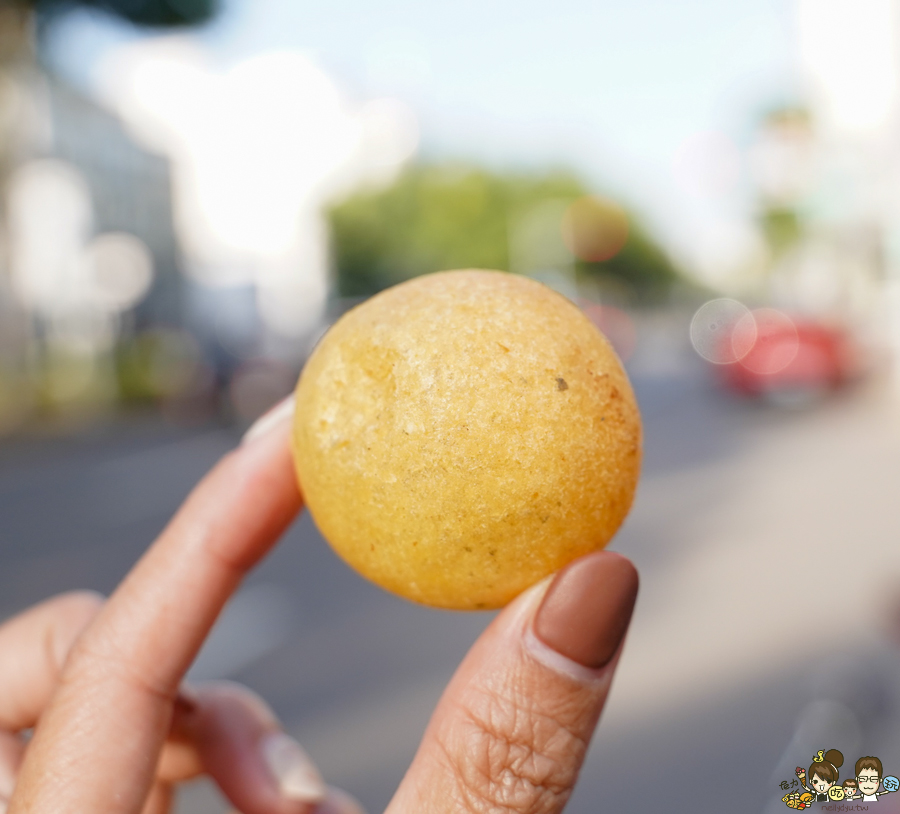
<point x="462" y="435"/>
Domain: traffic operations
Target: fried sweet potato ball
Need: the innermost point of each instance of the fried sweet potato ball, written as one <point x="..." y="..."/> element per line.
<point x="462" y="435"/>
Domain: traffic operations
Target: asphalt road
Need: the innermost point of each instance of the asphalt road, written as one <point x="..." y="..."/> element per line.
<point x="751" y="527"/>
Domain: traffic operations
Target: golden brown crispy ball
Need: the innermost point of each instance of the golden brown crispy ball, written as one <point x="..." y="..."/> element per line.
<point x="462" y="435"/>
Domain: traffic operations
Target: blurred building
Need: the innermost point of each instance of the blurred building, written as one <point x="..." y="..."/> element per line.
<point x="849" y="57"/>
<point x="89" y="254"/>
<point x="130" y="187"/>
<point x="824" y="172"/>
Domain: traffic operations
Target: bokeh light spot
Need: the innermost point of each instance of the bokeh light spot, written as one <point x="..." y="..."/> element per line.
<point x="50" y="217"/>
<point x="714" y="332"/>
<point x="595" y="229"/>
<point x="122" y="269"/>
<point x="776" y="340"/>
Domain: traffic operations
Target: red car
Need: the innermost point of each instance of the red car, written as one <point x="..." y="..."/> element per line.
<point x="791" y="360"/>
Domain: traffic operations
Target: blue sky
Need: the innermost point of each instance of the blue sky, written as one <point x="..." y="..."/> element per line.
<point x="611" y="89"/>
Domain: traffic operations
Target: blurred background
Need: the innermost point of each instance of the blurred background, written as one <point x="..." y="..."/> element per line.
<point x="191" y="191"/>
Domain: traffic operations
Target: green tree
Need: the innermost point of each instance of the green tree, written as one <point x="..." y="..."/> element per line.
<point x="448" y="216"/>
<point x="642" y="266"/>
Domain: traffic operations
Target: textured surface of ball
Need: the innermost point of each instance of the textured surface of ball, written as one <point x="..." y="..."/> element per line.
<point x="462" y="435"/>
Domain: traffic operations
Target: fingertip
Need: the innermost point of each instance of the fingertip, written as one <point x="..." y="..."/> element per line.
<point x="278" y="417"/>
<point x="586" y="610"/>
<point x="295" y="774"/>
<point x="242" y="746"/>
<point x="543" y="694"/>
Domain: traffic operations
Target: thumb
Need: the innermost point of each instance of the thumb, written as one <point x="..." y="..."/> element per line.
<point x="512" y="728"/>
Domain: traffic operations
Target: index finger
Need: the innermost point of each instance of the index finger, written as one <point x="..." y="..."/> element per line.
<point x="97" y="745"/>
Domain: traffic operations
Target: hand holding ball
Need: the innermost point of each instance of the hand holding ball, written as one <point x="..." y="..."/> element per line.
<point x="460" y="436"/>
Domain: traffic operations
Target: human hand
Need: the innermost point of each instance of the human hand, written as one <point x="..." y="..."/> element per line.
<point x="114" y="731"/>
<point x="219" y="728"/>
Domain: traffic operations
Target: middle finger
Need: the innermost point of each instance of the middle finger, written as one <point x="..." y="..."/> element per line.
<point x="228" y="732"/>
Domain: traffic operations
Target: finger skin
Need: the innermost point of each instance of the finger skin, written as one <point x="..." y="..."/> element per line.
<point x="512" y="728"/>
<point x="33" y="648"/>
<point x="97" y="745"/>
<point x="160" y="799"/>
<point x="225" y="727"/>
<point x="11" y="750"/>
<point x="216" y="730"/>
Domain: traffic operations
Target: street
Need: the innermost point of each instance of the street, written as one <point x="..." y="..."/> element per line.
<point x="750" y="523"/>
